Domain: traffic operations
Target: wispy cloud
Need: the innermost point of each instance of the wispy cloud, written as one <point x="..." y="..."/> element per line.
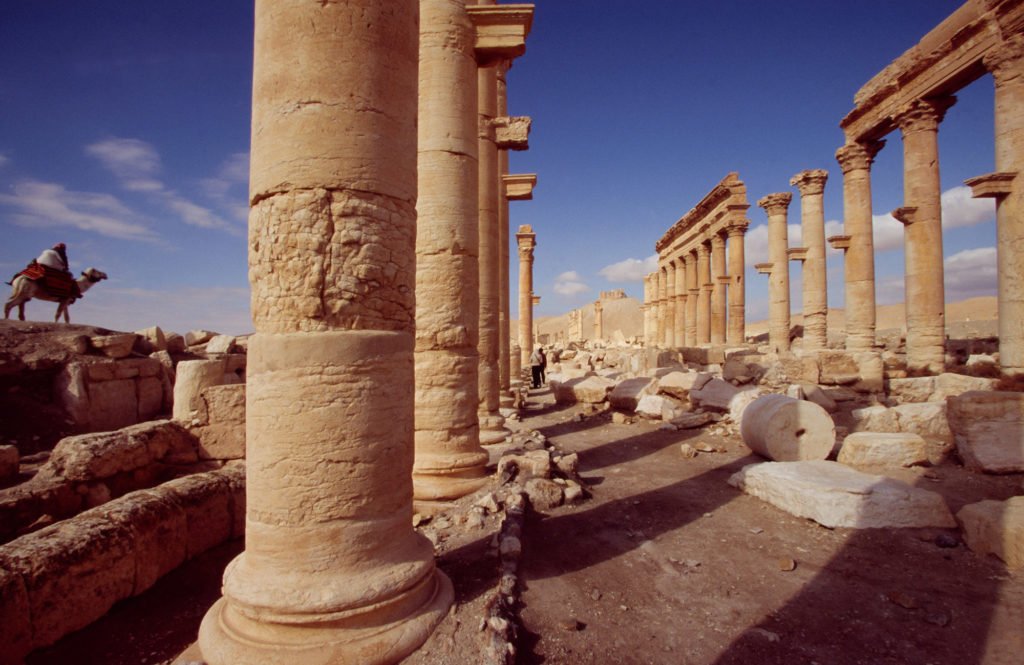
<point x="136" y="165"/>
<point x="570" y="284"/>
<point x="42" y="204"/>
<point x="223" y="189"/>
<point x="629" y="270"/>
<point x="958" y="210"/>
<point x="4" y="159"/>
<point x="971" y="273"/>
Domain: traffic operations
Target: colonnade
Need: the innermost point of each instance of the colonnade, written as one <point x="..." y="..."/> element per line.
<point x="697" y="294"/>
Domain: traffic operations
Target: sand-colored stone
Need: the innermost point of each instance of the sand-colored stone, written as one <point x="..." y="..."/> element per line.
<point x="988" y="429"/>
<point x="191" y="379"/>
<point x="883" y="449"/>
<point x="776" y="205"/>
<point x="996" y="527"/>
<point x="332" y="570"/>
<point x="785" y="429"/>
<point x="813" y="282"/>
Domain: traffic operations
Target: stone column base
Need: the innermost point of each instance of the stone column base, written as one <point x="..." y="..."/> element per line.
<point x="376" y="635"/>
<point x="443" y="477"/>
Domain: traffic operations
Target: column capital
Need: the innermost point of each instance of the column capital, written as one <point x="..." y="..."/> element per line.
<point x="501" y="31"/>
<point x="738" y="228"/>
<point x="777" y="203"/>
<point x="519" y="186"/>
<point x="858" y="155"/>
<point x="512" y="132"/>
<point x="1006" y="62"/>
<point x="703" y="250"/>
<point x="717" y="241"/>
<point x="810" y="182"/>
<point x="923" y="115"/>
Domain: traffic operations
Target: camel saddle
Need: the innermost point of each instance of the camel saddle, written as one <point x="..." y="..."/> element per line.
<point x="58" y="284"/>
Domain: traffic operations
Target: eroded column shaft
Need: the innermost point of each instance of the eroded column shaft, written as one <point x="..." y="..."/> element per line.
<point x="704" y="297"/>
<point x="719" y="303"/>
<point x="922" y="247"/>
<point x="679" y="325"/>
<point x="812" y="225"/>
<point x="332" y="570"/>
<point x="504" y="306"/>
<point x="692" y="296"/>
<point x="526" y="241"/>
<point x="669" y="338"/>
<point x="737" y="285"/>
<point x="777" y="205"/>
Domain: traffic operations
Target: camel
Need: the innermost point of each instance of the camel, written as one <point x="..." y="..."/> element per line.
<point x="24" y="289"/>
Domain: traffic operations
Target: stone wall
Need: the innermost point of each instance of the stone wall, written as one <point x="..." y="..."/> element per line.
<point x="63" y="577"/>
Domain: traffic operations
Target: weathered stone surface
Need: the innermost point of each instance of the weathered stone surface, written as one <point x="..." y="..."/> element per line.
<point x="544" y="494"/>
<point x="715" y="394"/>
<point x="996" y="527"/>
<point x="593" y="389"/>
<point x="626" y="394"/>
<point x="193" y="337"/>
<point x="876" y="418"/>
<point x="533" y="463"/>
<point x="194" y="376"/>
<point x="100" y="455"/>
<point x="221" y="344"/>
<point x="207" y="501"/>
<point x="883" y="449"/>
<point x="951" y="385"/>
<point x="234" y="474"/>
<point x="9" y="462"/>
<point x="835" y="495"/>
<point x="786" y="429"/>
<point x="928" y="419"/>
<point x="154" y="337"/>
<point x="813" y="393"/>
<point x="156" y="519"/>
<point x="741" y="400"/>
<point x="653" y="406"/>
<point x="114" y="346"/>
<point x="837" y="367"/>
<point x="222" y="435"/>
<point x="679" y="384"/>
<point x="562" y="388"/>
<point x="175" y="343"/>
<point x="15" y="618"/>
<point x="74" y="571"/>
<point x="691" y="420"/>
<point x="737" y="370"/>
<point x="112" y="404"/>
<point x="871" y="368"/>
<point x="793" y="368"/>
<point x="913" y="389"/>
<point x="987" y="428"/>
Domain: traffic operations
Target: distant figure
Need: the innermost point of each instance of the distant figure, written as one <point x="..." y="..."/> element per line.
<point x="543" y="367"/>
<point x="56" y="258"/>
<point x="537" y="366"/>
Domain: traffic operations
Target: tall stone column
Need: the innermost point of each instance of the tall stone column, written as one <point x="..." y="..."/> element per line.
<point x="812" y="225"/>
<point x="662" y="287"/>
<point x="449" y="460"/>
<point x="704" y="297"/>
<point x="719" y="296"/>
<point x="648" y="334"/>
<point x="669" y="338"/>
<point x="1006" y="186"/>
<point x="504" y="306"/>
<point x="526" y="241"/>
<point x="737" y="284"/>
<point x="332" y="569"/>
<point x="858" y="243"/>
<point x="921" y="215"/>
<point x="598" y="320"/>
<point x="679" y="325"/>
<point x="777" y="205"/>
<point x="692" y="296"/>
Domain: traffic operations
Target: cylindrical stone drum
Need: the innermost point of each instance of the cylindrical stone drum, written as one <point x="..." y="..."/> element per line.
<point x="786" y="430"/>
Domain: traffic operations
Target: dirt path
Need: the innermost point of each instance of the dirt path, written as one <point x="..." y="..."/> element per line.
<point x="668" y="564"/>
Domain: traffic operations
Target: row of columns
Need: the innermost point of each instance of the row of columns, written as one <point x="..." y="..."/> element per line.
<point x="374" y="371"/>
<point x="698" y="298"/>
<point x="921" y="215"/>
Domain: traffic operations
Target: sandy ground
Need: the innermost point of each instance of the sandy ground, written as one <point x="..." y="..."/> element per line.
<point x="667" y="563"/>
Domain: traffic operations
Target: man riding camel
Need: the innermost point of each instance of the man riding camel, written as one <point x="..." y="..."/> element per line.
<point x="51" y="269"/>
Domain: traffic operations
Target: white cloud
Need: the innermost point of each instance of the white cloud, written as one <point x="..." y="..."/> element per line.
<point x="960" y="209"/>
<point x="133" y="162"/>
<point x="971" y="273"/>
<point x="197" y="215"/>
<point x="42" y="204"/>
<point x="569" y="284"/>
<point x="630" y="270"/>
<point x="888" y="232"/>
<point x="229" y="188"/>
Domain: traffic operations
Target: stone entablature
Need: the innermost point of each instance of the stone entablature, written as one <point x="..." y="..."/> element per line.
<point x="723" y="206"/>
<point x="617" y="294"/>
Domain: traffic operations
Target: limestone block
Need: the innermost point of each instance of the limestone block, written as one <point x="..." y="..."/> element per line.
<point x="112" y="404"/>
<point x="156" y="519"/>
<point x="626" y="394"/>
<point x="786" y="429"/>
<point x="512" y="133"/>
<point x="154" y="337"/>
<point x="221" y="344"/>
<point x="834" y="495"/>
<point x="988" y="429"/>
<point x="996" y="527"/>
<point x="813" y="393"/>
<point x="837" y="367"/>
<point x="175" y="343"/>
<point x="100" y="455"/>
<point x="593" y="389"/>
<point x="715" y="394"/>
<point x="166" y="376"/>
<point x="951" y="385"/>
<point x="544" y="494"/>
<point x="883" y="449"/>
<point x="193" y="337"/>
<point x="738" y="371"/>
<point x="914" y="389"/>
<point x="653" y="406"/>
<point x="71" y="388"/>
<point x="679" y="384"/>
<point x="14" y="618"/>
<point x="871" y="369"/>
<point x="223" y="437"/>
<point x="114" y="346"/>
<point x="150" y="397"/>
<point x="74" y="571"/>
<point x="876" y="418"/>
<point x="563" y="389"/>
<point x="9" y="462"/>
<point x="928" y="419"/>
<point x="741" y="400"/>
<point x="982" y="365"/>
<point x="194" y="376"/>
<point x="207" y="500"/>
<point x="798" y="368"/>
<point x="691" y="420"/>
<point x="234" y="475"/>
<point x="531" y="464"/>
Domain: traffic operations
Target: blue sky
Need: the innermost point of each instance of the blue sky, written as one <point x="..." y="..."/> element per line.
<point x="124" y="132"/>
